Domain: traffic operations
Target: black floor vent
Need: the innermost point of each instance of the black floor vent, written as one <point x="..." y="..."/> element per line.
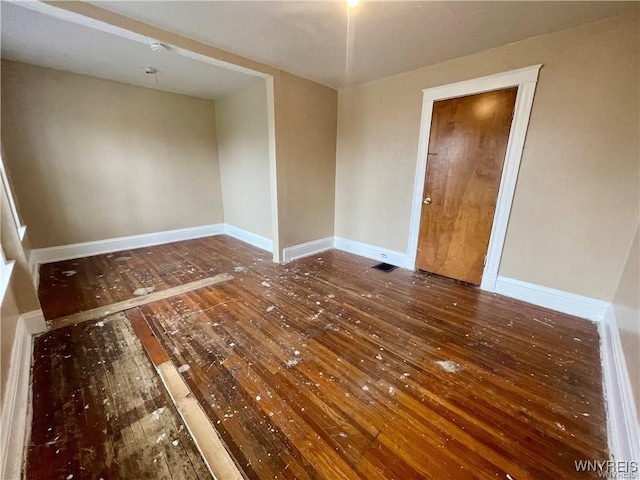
<point x="385" y="267"/>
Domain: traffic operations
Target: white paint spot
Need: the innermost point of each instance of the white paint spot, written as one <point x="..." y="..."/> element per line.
<point x="265" y="284"/>
<point x="577" y="339"/>
<point x="161" y="438"/>
<point x="296" y="352"/>
<point x="155" y="415"/>
<point x="331" y="295"/>
<point x="343" y="435"/>
<point x="232" y="344"/>
<point x="449" y="366"/>
<point x="69" y="273"/>
<point x="239" y="269"/>
<point x="365" y="388"/>
<point x="175" y="443"/>
<point x="100" y="324"/>
<point x="139" y="292"/>
<point x="258" y="398"/>
<point x="404" y="375"/>
<point x="392" y="390"/>
<point x="585" y="414"/>
<point x="270" y="308"/>
<point x="70" y="476"/>
<point x="509" y="477"/>
<point x="560" y="426"/>
<point x="184" y="368"/>
<point x="293" y="362"/>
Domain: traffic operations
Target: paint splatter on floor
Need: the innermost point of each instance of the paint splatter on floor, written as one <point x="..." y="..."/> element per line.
<point x="139" y="292"/>
<point x="449" y="366"/>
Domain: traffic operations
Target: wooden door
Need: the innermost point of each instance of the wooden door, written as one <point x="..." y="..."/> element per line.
<point x="467" y="146"/>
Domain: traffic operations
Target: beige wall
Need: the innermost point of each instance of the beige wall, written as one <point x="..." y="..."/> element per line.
<point x="92" y="159"/>
<point x="305" y="132"/>
<point x="627" y="310"/>
<point x="243" y="150"/>
<point x="576" y="200"/>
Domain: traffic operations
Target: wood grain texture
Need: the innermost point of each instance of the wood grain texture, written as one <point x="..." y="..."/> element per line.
<point x="103" y="311"/>
<point x="326" y="368"/>
<point x="467" y="144"/>
<point x="100" y="410"/>
<point x="72" y="286"/>
<point x="213" y="451"/>
<point x="156" y="352"/>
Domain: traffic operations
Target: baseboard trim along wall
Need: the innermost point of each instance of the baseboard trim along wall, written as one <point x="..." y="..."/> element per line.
<point x="558" y="300"/>
<point x="570" y="303"/>
<point x="622" y="417"/>
<point x="392" y="257"/>
<point x="79" y="250"/>
<point x="306" y="249"/>
<point x="257" y="241"/>
<point x="16" y="405"/>
<point x="110" y="245"/>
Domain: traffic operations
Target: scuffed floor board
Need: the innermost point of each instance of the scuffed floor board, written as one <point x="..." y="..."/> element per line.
<point x="220" y="463"/>
<point x="101" y="411"/>
<point x="103" y="311"/>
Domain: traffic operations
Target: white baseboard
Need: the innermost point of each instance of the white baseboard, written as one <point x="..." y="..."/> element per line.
<point x="79" y="250"/>
<point x="110" y="245"/>
<point x="14" y="418"/>
<point x="258" y="241"/>
<point x="306" y="249"/>
<point x="398" y="259"/>
<point x="622" y="417"/>
<point x="34" y="322"/>
<point x="558" y="300"/>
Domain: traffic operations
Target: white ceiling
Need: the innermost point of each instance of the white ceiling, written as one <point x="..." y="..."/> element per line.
<point x="309" y="38"/>
<point x="33" y="37"/>
<point x="319" y="40"/>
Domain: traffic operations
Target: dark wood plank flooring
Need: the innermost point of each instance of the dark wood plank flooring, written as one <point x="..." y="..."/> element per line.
<point x="100" y="410"/>
<point x="326" y="368"/>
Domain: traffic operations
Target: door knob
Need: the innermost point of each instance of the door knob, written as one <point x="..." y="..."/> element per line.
<point x="426" y="201"/>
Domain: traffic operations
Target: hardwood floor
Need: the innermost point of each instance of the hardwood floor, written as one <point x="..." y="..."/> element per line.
<point x="99" y="410"/>
<point x="326" y="368"/>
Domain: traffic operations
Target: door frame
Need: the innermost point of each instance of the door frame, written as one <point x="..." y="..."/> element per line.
<point x="523" y="78"/>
